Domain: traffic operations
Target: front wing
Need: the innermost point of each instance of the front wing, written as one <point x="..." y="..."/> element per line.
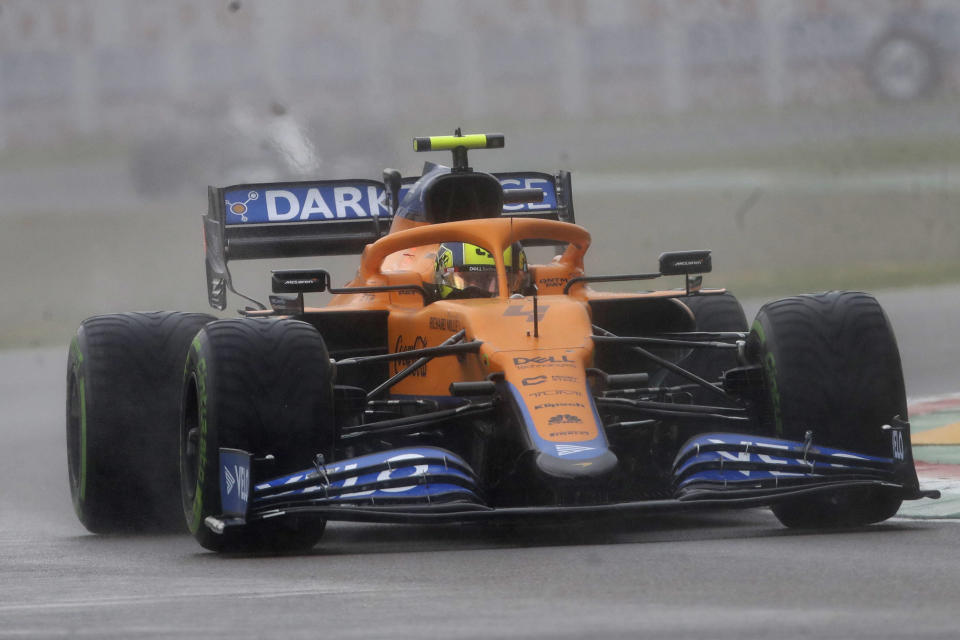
<point x="430" y="484"/>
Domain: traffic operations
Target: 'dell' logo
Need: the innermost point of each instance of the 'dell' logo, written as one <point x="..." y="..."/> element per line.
<point x="541" y="360"/>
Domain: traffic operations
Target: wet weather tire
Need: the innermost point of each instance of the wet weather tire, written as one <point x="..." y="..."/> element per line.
<point x="720" y="312"/>
<point x="264" y="386"/>
<point x="831" y="366"/>
<point x="123" y="411"/>
<point x="717" y="312"/>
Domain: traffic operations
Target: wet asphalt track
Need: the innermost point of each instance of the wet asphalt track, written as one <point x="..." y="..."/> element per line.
<point x="717" y="576"/>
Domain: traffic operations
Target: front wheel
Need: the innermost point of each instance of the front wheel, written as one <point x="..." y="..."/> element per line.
<point x="831" y="366"/>
<point x="264" y="386"/>
<point x="123" y="391"/>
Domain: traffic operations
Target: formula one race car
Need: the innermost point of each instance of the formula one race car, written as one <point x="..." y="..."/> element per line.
<point x="451" y="380"/>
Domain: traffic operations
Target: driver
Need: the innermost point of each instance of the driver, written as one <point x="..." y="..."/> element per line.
<point x="465" y="270"/>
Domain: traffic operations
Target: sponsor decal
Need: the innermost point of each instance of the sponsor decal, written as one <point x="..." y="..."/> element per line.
<point x="559" y="405"/>
<point x="529" y="382"/>
<point x="543" y="361"/>
<point x="234" y="485"/>
<point x="340" y="201"/>
<point x="556" y="392"/>
<point x="567" y="449"/>
<point x="554" y="365"/>
<point x="393" y="472"/>
<point x="564" y="418"/>
<point x="560" y="434"/>
<point x="565" y="378"/>
<point x="523" y="182"/>
<point x="240" y="478"/>
<point x="295" y="282"/>
<point x="898" y="449"/>
<point x="240" y="208"/>
<point x="347" y="199"/>
<point x="400" y="346"/>
<point x="552" y="282"/>
<point x="328" y="204"/>
<point x="518" y="310"/>
<point x="446" y="324"/>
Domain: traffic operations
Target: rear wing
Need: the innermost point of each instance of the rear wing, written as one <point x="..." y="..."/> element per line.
<point x="330" y="217"/>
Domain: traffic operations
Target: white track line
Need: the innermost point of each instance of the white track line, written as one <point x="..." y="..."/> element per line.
<point x="125" y="601"/>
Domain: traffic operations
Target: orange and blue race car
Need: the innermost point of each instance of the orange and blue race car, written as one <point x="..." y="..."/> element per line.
<point x="472" y="371"/>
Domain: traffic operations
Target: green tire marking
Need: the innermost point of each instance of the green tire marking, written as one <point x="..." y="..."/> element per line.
<point x="770" y="366"/>
<point x="82" y="383"/>
<point x="201" y="380"/>
<point x="83" y="437"/>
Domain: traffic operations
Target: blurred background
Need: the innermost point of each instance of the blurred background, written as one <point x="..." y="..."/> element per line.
<point x="811" y="144"/>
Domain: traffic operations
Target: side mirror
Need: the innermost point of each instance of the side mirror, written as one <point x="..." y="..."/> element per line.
<point x="678" y="263"/>
<point x="300" y="281"/>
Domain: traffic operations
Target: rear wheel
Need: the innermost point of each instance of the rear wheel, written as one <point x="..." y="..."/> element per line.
<point x="264" y="386"/>
<point x="831" y="366"/>
<point x="123" y="384"/>
<point x="720" y="312"/>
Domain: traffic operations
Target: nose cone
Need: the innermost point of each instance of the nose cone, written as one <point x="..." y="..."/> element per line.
<point x="545" y="377"/>
<point x="565" y="467"/>
<point x="558" y="416"/>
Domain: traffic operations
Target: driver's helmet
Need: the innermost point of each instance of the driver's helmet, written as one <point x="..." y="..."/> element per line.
<point x="465" y="270"/>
